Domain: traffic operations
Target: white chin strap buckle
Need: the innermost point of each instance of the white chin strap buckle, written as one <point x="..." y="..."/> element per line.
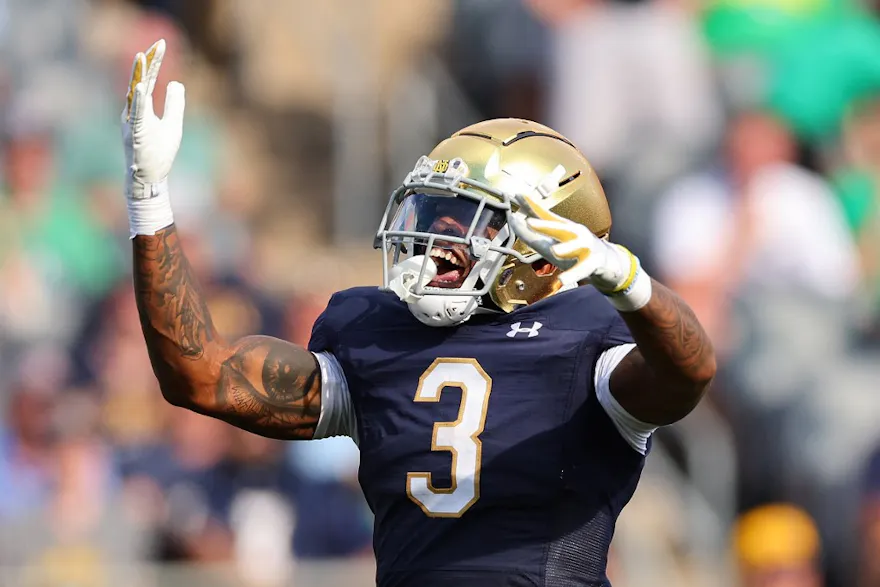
<point x="405" y="275"/>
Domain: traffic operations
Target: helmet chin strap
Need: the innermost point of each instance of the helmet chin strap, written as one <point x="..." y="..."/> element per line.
<point x="404" y="277"/>
<point x="441" y="311"/>
<point x="432" y="310"/>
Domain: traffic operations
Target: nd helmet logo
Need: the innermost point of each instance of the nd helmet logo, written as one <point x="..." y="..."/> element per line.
<point x="441" y="166"/>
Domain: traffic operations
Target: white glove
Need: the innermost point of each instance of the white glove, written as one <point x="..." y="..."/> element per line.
<point x="150" y="143"/>
<point x="584" y="257"/>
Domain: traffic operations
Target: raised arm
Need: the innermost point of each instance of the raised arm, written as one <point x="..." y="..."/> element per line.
<point x="664" y="378"/>
<point x="258" y="383"/>
<point x="262" y="384"/>
<point x="669" y="371"/>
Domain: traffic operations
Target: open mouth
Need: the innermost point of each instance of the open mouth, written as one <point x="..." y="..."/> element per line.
<point x="453" y="266"/>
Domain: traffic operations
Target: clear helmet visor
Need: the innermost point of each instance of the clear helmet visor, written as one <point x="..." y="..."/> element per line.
<point x="446" y="216"/>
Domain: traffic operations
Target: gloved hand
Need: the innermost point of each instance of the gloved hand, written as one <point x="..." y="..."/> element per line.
<point x="151" y="144"/>
<point x="583" y="257"/>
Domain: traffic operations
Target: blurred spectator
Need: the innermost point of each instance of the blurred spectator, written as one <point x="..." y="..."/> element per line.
<point x="855" y="180"/>
<point x="26" y="442"/>
<point x="755" y="243"/>
<point x="179" y="470"/>
<point x="777" y="546"/>
<point x="642" y="112"/>
<point x="616" y="99"/>
<point x="82" y="534"/>
<point x="50" y="239"/>
<point x="499" y="51"/>
<point x="333" y="519"/>
<point x="753" y="219"/>
<point x="255" y="495"/>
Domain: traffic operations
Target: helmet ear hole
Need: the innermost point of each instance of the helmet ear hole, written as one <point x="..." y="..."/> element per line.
<point x="543" y="268"/>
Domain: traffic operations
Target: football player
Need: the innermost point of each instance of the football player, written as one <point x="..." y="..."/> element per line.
<point x="502" y="384"/>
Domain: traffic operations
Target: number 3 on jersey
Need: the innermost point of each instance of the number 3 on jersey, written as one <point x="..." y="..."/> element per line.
<point x="461" y="438"/>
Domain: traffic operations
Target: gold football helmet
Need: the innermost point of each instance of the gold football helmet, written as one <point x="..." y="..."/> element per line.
<point x="445" y="234"/>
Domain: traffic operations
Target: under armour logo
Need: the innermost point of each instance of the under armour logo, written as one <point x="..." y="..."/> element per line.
<point x="518" y="329"/>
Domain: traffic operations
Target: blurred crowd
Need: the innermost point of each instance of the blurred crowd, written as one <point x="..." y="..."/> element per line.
<point x="97" y="474"/>
<point x="739" y="143"/>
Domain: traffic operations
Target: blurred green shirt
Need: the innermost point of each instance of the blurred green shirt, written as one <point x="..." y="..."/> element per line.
<point x="59" y="234"/>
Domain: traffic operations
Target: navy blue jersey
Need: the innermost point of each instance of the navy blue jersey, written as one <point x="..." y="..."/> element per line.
<point x="485" y="454"/>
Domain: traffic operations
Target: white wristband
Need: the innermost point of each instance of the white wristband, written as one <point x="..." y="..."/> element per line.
<point x="152" y="213"/>
<point x="634" y="297"/>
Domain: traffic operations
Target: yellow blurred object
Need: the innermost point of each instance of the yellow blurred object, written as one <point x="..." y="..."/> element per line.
<point x="77" y="565"/>
<point x="776" y="535"/>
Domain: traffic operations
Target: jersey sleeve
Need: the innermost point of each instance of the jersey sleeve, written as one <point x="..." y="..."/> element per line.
<point x="337" y="410"/>
<point x="618" y="343"/>
<point x="338" y="416"/>
<point x="322" y="334"/>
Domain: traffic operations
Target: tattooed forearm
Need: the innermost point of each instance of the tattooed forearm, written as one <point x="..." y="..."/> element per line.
<point x="262" y="384"/>
<point x="274" y="384"/>
<point x="670" y="371"/>
<point x="171" y="306"/>
<point x="671" y="338"/>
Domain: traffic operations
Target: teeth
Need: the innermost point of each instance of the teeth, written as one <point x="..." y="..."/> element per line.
<point x="444" y="254"/>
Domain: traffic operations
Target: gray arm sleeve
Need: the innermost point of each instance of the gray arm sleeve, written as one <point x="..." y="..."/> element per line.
<point x="337" y="410"/>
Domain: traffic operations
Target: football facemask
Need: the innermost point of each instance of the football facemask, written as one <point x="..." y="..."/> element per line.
<point x="444" y="238"/>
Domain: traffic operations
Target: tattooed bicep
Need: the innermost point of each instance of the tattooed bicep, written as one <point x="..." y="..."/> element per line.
<point x="270" y="387"/>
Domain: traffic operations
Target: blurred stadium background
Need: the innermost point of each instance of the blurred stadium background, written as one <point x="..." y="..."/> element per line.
<point x="739" y="141"/>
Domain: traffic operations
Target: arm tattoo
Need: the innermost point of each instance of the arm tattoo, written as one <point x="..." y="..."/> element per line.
<point x="271" y="387"/>
<point x="665" y="378"/>
<point x="170" y="302"/>
<point x="264" y="385"/>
